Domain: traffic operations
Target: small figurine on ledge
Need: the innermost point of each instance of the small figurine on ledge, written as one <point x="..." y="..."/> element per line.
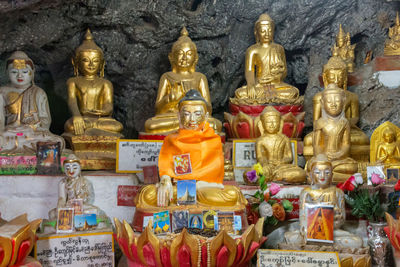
<point x="175" y="84"/>
<point x="274" y="152"/>
<point x="392" y="45"/>
<point x="25" y="116"/>
<point x="344" y="49"/>
<point x="385" y="146"/>
<point x="198" y="140"/>
<point x="265" y="70"/>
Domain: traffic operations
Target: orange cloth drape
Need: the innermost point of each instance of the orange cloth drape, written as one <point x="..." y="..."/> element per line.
<point x="206" y="156"/>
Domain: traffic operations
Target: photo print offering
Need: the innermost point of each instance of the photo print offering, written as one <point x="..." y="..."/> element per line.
<point x="76" y="204"/>
<point x="208" y="219"/>
<point x="319" y="223"/>
<point x="150" y="174"/>
<point x="392" y="175"/>
<point x="84" y="222"/>
<point x="225" y="221"/>
<point x="376" y="175"/>
<point x="180" y="219"/>
<point x="196" y="221"/>
<point x="182" y="164"/>
<point x="161" y="222"/>
<point x="65" y="220"/>
<point x="186" y="192"/>
<point x="48" y="158"/>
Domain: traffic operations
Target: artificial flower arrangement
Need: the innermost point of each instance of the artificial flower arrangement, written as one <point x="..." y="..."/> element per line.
<point x="269" y="208"/>
<point x="366" y="203"/>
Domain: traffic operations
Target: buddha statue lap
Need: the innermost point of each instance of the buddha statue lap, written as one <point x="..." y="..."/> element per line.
<point x="173" y="86"/>
<point x="392" y="45"/>
<point x="385" y="146"/>
<point x="196" y="138"/>
<point x="274" y="152"/>
<point x="344" y="49"/>
<point x="90" y="100"/>
<point x="335" y="72"/>
<point x="265" y="70"/>
<point x="25" y="115"/>
<point x="331" y="134"/>
<point x="323" y="192"/>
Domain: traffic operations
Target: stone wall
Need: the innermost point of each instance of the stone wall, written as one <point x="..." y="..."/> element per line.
<point x="136" y="36"/>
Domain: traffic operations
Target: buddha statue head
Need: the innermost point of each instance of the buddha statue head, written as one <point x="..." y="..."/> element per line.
<point x="89" y="58"/>
<point x="264" y="29"/>
<point x="321" y="172"/>
<point x="72" y="166"/>
<point x="183" y="55"/>
<point x="341" y="39"/>
<point x="192" y="111"/>
<point x="20" y="70"/>
<point x="389" y="135"/>
<point x="270" y="120"/>
<point x="335" y="71"/>
<point x="332" y="101"/>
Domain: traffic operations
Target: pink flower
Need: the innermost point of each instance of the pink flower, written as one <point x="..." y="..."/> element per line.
<point x="274" y="188"/>
<point x="376" y="179"/>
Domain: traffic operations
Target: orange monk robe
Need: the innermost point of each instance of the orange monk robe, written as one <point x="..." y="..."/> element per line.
<point x="205" y="150"/>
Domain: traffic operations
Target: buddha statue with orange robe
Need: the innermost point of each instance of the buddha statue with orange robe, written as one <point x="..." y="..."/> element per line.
<point x="202" y="146"/>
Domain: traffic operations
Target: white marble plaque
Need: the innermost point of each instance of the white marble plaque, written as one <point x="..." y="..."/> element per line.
<point x="244" y="153"/>
<point x="79" y="249"/>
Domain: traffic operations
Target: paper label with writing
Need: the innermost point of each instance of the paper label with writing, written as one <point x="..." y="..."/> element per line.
<point x="296" y="258"/>
<point x="132" y="155"/>
<point x="93" y="249"/>
<point x="126" y="195"/>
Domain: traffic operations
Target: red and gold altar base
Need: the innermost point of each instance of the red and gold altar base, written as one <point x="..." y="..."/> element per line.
<point x="185" y="249"/>
<point x="17" y="238"/>
<point x="242" y="121"/>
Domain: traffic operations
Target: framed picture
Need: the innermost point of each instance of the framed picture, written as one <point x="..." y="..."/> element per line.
<point x="65" y="220"/>
<point x="375" y="173"/>
<point x="392" y="175"/>
<point x="48" y="158"/>
<point x="319" y="223"/>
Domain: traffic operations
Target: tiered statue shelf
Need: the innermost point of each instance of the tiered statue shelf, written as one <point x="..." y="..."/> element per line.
<point x="91" y="131"/>
<point x="174" y="85"/>
<point x="265" y="71"/>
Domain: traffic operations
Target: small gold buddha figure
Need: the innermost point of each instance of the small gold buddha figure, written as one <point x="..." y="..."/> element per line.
<point x="385" y="145"/>
<point x="25" y="115"/>
<point x="198" y="140"/>
<point x="335" y="72"/>
<point x="274" y="152"/>
<point x="265" y="69"/>
<point x="175" y="84"/>
<point x="392" y="45"/>
<point x="90" y="96"/>
<point x="331" y="134"/>
<point x="344" y="49"/>
<point x="323" y="192"/>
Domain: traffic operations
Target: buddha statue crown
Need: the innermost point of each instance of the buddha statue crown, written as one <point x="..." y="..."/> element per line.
<point x="264" y="19"/>
<point x="268" y="112"/>
<point x="19" y="60"/>
<point x="192" y="95"/>
<point x="88" y="44"/>
<point x="341" y="34"/>
<point x="320" y="159"/>
<point x="333" y="89"/>
<point x="71" y="159"/>
<point x="183" y="39"/>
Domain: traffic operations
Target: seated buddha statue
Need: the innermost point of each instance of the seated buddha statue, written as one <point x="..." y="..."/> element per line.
<point x="274" y="152"/>
<point x="385" y="146"/>
<point x="392" y="45"/>
<point x="265" y="69"/>
<point x="25" y="115"/>
<point x="331" y="134"/>
<point x="90" y="96"/>
<point x="344" y="49"/>
<point x="323" y="192"/>
<point x="196" y="138"/>
<point x="335" y="72"/>
<point x="174" y="84"/>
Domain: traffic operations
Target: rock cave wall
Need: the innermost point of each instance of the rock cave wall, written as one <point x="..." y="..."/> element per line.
<point x="136" y="36"/>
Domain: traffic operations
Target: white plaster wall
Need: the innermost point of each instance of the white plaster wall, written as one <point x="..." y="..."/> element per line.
<point x="36" y="195"/>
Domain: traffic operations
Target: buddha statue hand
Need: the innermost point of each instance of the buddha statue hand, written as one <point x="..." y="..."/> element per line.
<point x="203" y="184"/>
<point x="164" y="191"/>
<point x="79" y="125"/>
<point x="251" y="91"/>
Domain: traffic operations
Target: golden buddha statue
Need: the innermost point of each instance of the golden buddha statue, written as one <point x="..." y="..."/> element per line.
<point x="274" y="152"/>
<point x="265" y="70"/>
<point x="198" y="139"/>
<point x="90" y="96"/>
<point x="322" y="192"/>
<point x="385" y="145"/>
<point x="174" y="84"/>
<point x="344" y="49"/>
<point x="392" y="45"/>
<point x="25" y="115"/>
<point x="331" y="134"/>
<point x="335" y="72"/>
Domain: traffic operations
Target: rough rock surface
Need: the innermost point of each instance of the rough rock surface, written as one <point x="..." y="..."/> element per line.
<point x="136" y="36"/>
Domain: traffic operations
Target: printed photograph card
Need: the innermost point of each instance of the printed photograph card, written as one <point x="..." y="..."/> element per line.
<point x="319" y="223"/>
<point x="84" y="222"/>
<point x="48" y="155"/>
<point x="147" y="220"/>
<point x="392" y="175"/>
<point x="186" y="192"/>
<point x="182" y="164"/>
<point x="208" y="219"/>
<point x="375" y="173"/>
<point x="237" y="224"/>
<point x="224" y="220"/>
<point x="161" y="222"/>
<point x="76" y="204"/>
<point x="180" y="219"/>
<point x="196" y="221"/>
<point x="65" y="220"/>
<point x="150" y="174"/>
